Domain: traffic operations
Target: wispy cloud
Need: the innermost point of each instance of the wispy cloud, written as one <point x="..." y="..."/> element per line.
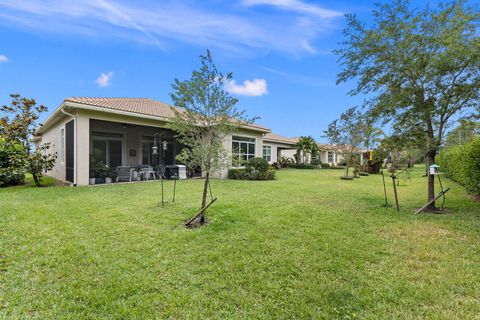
<point x="296" y="6"/>
<point x="104" y="80"/>
<point x="163" y="23"/>
<point x="3" y="58"/>
<point x="251" y="88"/>
<point x="306" y="80"/>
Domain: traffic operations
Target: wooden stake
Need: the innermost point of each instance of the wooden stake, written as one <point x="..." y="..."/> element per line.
<point x="200" y="212"/>
<point x="395" y="192"/>
<point x="431" y="201"/>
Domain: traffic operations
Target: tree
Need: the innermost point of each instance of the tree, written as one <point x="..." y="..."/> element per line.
<point x="204" y="115"/>
<point x="465" y="132"/>
<point x="306" y="145"/>
<point x="17" y="125"/>
<point x="422" y="68"/>
<point x="347" y="133"/>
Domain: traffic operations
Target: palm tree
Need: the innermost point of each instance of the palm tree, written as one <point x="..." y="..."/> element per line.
<point x="305" y="145"/>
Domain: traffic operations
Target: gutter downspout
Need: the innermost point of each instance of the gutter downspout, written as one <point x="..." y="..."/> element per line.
<point x="75" y="163"/>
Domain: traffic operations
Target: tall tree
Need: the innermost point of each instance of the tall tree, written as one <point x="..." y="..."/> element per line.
<point x="422" y="68"/>
<point x="204" y="115"/>
<point x="17" y="125"/>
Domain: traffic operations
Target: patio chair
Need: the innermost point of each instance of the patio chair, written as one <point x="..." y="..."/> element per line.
<point x="147" y="171"/>
<point x="124" y="173"/>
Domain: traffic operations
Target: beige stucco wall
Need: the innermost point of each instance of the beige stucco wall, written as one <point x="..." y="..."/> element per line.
<point x="258" y="136"/>
<point x="53" y="136"/>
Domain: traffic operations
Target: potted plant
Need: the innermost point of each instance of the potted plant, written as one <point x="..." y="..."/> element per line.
<point x="92" y="176"/>
<point x="136" y="173"/>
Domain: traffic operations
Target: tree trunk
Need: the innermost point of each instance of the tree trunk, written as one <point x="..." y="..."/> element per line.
<point x="36" y="180"/>
<point x="204" y="197"/>
<point x="431" y="179"/>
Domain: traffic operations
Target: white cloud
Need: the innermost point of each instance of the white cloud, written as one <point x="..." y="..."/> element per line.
<point x="251" y="88"/>
<point x="296" y="6"/>
<point x="104" y="80"/>
<point x="162" y="23"/>
<point x="3" y="58"/>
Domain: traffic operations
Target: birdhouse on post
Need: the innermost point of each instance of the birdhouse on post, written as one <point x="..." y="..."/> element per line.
<point x="434" y="169"/>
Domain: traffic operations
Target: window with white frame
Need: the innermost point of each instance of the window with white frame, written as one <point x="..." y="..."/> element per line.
<point x="243" y="149"/>
<point x="267" y="153"/>
<point x="330" y="157"/>
<point x="62" y="145"/>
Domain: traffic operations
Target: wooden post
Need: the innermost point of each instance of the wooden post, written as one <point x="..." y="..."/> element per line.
<point x="384" y="190"/>
<point x="395" y="192"/>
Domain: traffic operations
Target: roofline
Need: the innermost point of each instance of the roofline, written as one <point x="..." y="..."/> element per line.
<point x="90" y="107"/>
<point x="280" y="141"/>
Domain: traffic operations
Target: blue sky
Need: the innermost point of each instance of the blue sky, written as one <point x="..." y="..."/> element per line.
<point x="278" y="50"/>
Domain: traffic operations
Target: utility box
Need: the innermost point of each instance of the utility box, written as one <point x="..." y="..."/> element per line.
<point x="176" y="171"/>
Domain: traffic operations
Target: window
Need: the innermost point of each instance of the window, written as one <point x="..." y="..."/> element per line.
<point x="107" y="148"/>
<point x="267" y="153"/>
<point x="243" y="149"/>
<point x="62" y="145"/>
<point x="330" y="157"/>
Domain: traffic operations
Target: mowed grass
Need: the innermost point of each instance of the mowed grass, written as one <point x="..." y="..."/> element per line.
<point x="306" y="246"/>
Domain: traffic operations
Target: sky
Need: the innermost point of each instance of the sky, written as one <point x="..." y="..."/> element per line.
<point x="279" y="51"/>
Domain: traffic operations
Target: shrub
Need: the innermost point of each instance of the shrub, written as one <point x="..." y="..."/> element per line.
<point x="337" y="167"/>
<point x="243" y="174"/>
<point x="316" y="162"/>
<point x="462" y="164"/>
<point x="325" y="165"/>
<point x="257" y="165"/>
<point x="300" y="166"/>
<point x="12" y="166"/>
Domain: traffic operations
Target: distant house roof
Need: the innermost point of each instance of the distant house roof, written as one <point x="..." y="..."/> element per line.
<point x="139" y="106"/>
<point x="278" y="138"/>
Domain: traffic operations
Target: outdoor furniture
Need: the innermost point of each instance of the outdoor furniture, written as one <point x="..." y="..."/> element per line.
<point x="146" y="171"/>
<point x="124" y="173"/>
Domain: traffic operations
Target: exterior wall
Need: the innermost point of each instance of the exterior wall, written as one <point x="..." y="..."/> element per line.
<point x="289" y="153"/>
<point x="222" y="174"/>
<point x="53" y="136"/>
<point x="279" y="150"/>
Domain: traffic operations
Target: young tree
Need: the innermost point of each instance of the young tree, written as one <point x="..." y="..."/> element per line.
<point x="422" y="68"/>
<point x="17" y="126"/>
<point x="204" y="115"/>
<point x="347" y="133"/>
<point x="305" y="146"/>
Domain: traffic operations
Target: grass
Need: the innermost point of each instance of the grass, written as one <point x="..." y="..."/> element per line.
<point x="307" y="245"/>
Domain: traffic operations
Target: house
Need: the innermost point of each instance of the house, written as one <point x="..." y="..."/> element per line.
<point x="276" y="146"/>
<point x="333" y="154"/>
<point x="121" y="131"/>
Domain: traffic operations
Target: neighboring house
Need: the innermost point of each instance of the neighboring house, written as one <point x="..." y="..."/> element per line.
<point x="275" y="147"/>
<point x="333" y="154"/>
<point x="120" y="131"/>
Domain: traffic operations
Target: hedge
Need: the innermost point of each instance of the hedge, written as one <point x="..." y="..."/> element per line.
<point x="242" y="174"/>
<point x="462" y="164"/>
<point x="300" y="166"/>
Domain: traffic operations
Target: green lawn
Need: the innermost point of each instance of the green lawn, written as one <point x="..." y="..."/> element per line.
<point x="307" y="245"/>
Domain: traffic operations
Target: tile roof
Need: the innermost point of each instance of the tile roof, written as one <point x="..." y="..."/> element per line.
<point x="278" y="138"/>
<point x="143" y="106"/>
<point x="136" y="105"/>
